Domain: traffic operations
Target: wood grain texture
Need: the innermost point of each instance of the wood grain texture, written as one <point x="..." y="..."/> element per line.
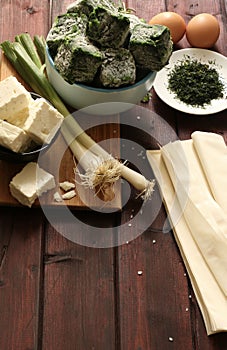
<point x="56" y="291"/>
<point x="155" y="304"/>
<point x="79" y="296"/>
<point x="20" y="278"/>
<point x="58" y="7"/>
<point x="150" y="267"/>
<point x="153" y="289"/>
<point x="21" y="231"/>
<point x="21" y="16"/>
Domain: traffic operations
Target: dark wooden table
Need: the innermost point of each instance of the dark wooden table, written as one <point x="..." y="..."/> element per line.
<point x="56" y="294"/>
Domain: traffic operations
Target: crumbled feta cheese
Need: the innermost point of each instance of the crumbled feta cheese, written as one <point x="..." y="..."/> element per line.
<point x="66" y="185"/>
<point x="69" y="195"/>
<point x="57" y="197"/>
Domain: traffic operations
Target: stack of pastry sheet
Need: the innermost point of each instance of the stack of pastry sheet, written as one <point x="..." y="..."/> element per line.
<point x="192" y="176"/>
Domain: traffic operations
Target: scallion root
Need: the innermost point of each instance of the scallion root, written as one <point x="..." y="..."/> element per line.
<point x="101" y="175"/>
<point x="147" y="193"/>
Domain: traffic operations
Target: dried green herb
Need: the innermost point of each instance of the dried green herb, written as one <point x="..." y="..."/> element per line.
<point x="146" y="98"/>
<point x="195" y="83"/>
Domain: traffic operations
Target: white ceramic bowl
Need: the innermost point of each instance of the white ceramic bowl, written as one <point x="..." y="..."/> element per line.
<point x="79" y="95"/>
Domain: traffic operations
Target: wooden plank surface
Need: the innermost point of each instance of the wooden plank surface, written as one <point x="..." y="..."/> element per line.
<point x="79" y="297"/>
<point x="20" y="278"/>
<point x="80" y="289"/>
<point x="56" y="290"/>
<point x="150" y="315"/>
<point x="158" y="309"/>
<point x="21" y="230"/>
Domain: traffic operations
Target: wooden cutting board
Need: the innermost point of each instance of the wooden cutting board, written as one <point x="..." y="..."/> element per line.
<point x="63" y="168"/>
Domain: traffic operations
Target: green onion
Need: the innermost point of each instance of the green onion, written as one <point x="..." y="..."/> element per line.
<point x="107" y="168"/>
<point x="39" y="42"/>
<point x="99" y="174"/>
<point x="26" y="41"/>
<point x="31" y="74"/>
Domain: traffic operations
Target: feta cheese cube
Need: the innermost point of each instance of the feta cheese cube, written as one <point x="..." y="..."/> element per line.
<point x="69" y="195"/>
<point x="30" y="183"/>
<point x="66" y="185"/>
<point x="13" y="137"/>
<point x="19" y="118"/>
<point x="14" y="101"/>
<point x="43" y="121"/>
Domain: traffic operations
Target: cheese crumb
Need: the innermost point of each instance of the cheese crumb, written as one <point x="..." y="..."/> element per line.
<point x="66" y="185"/>
<point x="57" y="197"/>
<point x="69" y="195"/>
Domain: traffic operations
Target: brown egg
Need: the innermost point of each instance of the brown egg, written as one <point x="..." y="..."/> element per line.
<point x="173" y="21"/>
<point x="203" y="31"/>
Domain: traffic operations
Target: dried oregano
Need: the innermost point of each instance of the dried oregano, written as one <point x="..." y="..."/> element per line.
<point x="195" y="83"/>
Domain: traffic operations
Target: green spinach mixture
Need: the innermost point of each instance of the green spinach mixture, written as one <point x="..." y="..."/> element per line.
<point x="97" y="43"/>
<point x="195" y="83"/>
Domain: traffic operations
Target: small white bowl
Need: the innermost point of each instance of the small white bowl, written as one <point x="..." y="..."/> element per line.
<point x="80" y="96"/>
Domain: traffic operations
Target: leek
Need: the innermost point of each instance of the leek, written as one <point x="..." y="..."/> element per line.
<point x="101" y="169"/>
<point x="107" y="169"/>
<point x="26" y="41"/>
<point x="39" y="42"/>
